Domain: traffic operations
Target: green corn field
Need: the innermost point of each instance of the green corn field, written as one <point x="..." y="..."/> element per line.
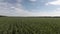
<point x="19" y="25"/>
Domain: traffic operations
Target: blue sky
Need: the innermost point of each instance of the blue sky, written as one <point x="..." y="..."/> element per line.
<point x="30" y="7"/>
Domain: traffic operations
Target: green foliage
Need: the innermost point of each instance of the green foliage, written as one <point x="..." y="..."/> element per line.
<point x="10" y="25"/>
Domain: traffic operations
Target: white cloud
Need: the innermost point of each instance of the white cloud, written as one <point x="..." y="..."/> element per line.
<point x="55" y="12"/>
<point x="10" y="10"/>
<point x="19" y="1"/>
<point x="56" y="2"/>
<point x="18" y="10"/>
<point x="33" y="0"/>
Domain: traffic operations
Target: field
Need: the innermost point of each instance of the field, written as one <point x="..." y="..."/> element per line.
<point x="20" y="25"/>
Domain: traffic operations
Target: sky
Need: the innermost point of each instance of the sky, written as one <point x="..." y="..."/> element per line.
<point x="30" y="7"/>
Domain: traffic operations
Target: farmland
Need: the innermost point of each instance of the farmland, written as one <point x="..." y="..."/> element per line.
<point x="21" y="25"/>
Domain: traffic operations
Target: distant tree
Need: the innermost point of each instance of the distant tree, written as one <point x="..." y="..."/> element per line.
<point x="2" y="16"/>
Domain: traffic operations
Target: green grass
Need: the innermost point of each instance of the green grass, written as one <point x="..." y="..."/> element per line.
<point x="16" y="25"/>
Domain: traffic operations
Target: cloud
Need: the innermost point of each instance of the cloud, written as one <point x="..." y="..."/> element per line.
<point x="55" y="12"/>
<point x="18" y="10"/>
<point x="56" y="2"/>
<point x="19" y="1"/>
<point x="10" y="10"/>
<point x="33" y="0"/>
